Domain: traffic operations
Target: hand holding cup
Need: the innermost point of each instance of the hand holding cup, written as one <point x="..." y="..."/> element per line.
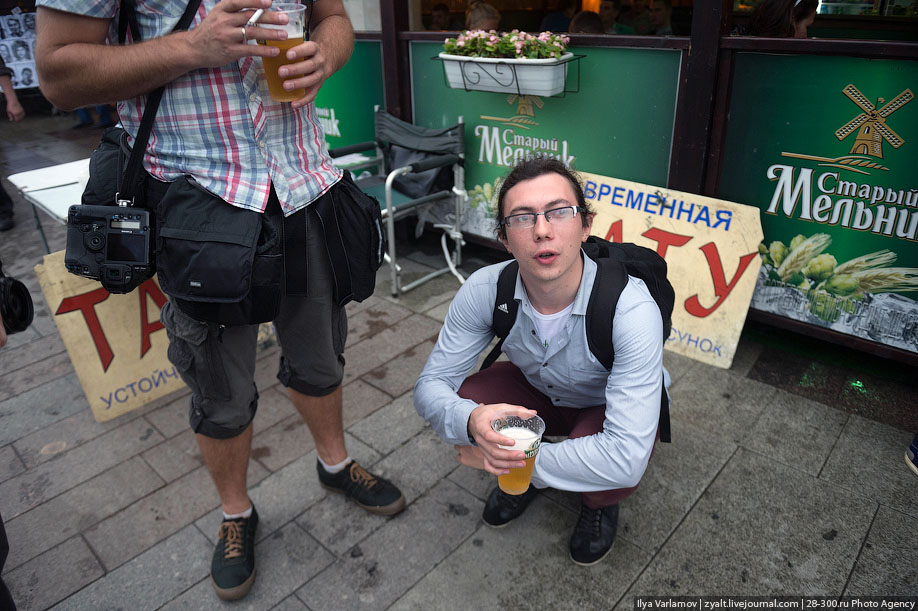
<point x="497" y="460"/>
<point x="223" y="35"/>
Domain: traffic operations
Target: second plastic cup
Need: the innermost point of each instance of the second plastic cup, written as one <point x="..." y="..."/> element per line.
<point x="527" y="435"/>
<point x="296" y="15"/>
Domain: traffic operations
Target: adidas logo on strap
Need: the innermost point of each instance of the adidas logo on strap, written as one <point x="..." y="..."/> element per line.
<point x="503" y="308"/>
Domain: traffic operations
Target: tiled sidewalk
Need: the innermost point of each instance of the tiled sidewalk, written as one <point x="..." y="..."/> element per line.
<point x="766" y="488"/>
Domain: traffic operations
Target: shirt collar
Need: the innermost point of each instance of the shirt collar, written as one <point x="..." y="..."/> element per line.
<point x="583" y="293"/>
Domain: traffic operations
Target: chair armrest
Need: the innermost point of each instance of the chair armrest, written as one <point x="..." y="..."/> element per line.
<point x="434" y="162"/>
<point x="341" y="151"/>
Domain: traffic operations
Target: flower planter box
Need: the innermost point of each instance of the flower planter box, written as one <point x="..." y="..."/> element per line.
<point x="543" y="77"/>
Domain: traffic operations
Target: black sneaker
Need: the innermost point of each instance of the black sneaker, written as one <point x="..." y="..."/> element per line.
<point x="594" y="534"/>
<point x="233" y="567"/>
<point x="502" y="508"/>
<point x="375" y="494"/>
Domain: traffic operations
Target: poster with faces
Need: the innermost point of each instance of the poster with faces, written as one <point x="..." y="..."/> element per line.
<point x="17" y="48"/>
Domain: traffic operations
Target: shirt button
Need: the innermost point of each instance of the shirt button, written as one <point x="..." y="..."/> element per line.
<point x="252" y="98"/>
<point x="544" y="364"/>
<point x="550" y="386"/>
<point x="533" y="331"/>
<point x="261" y="144"/>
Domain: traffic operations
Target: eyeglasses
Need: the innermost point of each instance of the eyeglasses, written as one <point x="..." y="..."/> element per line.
<point x="527" y="220"/>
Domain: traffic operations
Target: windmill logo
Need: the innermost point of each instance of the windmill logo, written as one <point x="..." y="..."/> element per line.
<point x="871" y="124"/>
<point x="525" y="113"/>
<point x="871" y="130"/>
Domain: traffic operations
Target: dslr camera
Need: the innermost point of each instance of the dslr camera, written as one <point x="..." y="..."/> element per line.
<point x="15" y="304"/>
<point x="111" y="244"/>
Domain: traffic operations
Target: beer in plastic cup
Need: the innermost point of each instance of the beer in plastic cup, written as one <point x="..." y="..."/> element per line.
<point x="527" y="435"/>
<point x="296" y="15"/>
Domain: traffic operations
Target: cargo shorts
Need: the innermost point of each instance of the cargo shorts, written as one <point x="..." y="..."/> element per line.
<point x="218" y="364"/>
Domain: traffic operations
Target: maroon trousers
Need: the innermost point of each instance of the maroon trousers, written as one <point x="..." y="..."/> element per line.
<point x="503" y="382"/>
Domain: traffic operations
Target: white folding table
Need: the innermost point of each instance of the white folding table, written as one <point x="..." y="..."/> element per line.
<point x="53" y="189"/>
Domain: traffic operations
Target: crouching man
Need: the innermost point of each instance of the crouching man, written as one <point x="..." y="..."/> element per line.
<point x="610" y="417"/>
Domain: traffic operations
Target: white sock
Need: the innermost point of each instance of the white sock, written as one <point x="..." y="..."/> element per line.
<point x="235" y="516"/>
<point x="335" y="468"/>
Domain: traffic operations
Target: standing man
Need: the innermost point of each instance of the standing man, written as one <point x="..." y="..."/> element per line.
<point x="14" y="112"/>
<point x="610" y="416"/>
<point x="6" y="599"/>
<point x="218" y="124"/>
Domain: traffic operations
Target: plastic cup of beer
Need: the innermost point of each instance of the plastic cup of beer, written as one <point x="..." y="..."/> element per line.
<point x="527" y="435"/>
<point x="295" y="27"/>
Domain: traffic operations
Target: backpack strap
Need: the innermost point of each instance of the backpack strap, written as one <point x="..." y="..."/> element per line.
<point x="610" y="281"/>
<point x="665" y="433"/>
<point x="611" y="278"/>
<point x="505" y="307"/>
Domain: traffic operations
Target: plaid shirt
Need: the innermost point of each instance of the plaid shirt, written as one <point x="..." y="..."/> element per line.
<point x="219" y="124"/>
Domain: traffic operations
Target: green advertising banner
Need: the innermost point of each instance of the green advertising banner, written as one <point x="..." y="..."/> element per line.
<point x="345" y="102"/>
<point x="827" y="148"/>
<point x="618" y="124"/>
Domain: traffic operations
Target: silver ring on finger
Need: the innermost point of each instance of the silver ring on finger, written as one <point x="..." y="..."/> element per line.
<point x="245" y="38"/>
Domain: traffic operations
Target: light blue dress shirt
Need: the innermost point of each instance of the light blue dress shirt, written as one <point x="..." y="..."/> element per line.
<point x="565" y="371"/>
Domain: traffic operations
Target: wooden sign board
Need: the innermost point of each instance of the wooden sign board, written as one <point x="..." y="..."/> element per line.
<point x="116" y="342"/>
<point x="711" y="251"/>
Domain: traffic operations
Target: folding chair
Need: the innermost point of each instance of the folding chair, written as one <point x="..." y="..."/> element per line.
<point x="415" y="176"/>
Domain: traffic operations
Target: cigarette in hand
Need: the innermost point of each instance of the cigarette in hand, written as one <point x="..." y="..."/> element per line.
<point x="255" y="17"/>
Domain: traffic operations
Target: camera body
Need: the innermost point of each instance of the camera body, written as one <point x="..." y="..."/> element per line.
<point x="111" y="244"/>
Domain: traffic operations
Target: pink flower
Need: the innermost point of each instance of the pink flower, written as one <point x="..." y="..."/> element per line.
<point x="460" y="43"/>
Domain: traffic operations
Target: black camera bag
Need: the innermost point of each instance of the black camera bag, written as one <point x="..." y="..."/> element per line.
<point x="106" y="169"/>
<point x="219" y="263"/>
<point x="351" y="222"/>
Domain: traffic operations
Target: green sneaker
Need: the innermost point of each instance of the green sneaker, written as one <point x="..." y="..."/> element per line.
<point x="375" y="494"/>
<point x="233" y="567"/>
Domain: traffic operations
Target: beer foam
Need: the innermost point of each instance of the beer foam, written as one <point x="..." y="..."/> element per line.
<point x="295" y="26"/>
<point x="522" y="438"/>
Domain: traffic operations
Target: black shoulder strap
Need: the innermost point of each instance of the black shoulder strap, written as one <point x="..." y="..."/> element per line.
<point x="611" y="278"/>
<point x="135" y="162"/>
<point x="610" y="281"/>
<point x="505" y="307"/>
<point x="665" y="433"/>
<point x="127" y="18"/>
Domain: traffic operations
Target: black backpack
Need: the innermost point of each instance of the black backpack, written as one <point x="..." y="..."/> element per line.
<point x="615" y="262"/>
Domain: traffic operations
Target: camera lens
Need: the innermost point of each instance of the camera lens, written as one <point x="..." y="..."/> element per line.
<point x="94" y="241"/>
<point x="15" y="305"/>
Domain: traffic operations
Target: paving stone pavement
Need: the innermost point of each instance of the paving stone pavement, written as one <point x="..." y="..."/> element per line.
<point x="767" y="489"/>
